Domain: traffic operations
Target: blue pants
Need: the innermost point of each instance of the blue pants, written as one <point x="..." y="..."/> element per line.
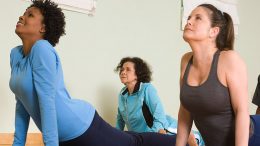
<point x="101" y="133"/>
<point x="254" y="139"/>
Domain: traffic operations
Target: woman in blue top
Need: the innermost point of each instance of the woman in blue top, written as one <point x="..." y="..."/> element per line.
<point x="38" y="85"/>
<point x="139" y="106"/>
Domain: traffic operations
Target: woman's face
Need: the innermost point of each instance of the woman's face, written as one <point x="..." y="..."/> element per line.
<point x="127" y="73"/>
<point x="30" y="25"/>
<point x="198" y="25"/>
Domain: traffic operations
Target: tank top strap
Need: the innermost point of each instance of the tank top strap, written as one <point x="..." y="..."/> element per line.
<point x="213" y="70"/>
<point x="187" y="70"/>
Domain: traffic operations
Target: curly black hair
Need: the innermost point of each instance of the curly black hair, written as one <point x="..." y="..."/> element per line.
<point x="142" y="69"/>
<point x="54" y="20"/>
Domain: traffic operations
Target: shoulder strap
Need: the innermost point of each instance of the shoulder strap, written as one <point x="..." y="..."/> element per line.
<point x="187" y="70"/>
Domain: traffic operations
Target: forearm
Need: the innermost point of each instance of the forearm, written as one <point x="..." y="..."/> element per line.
<point x="182" y="135"/>
<point x="22" y="119"/>
<point x="156" y="108"/>
<point x="242" y="128"/>
<point x="157" y="125"/>
<point x="184" y="127"/>
<point x="49" y="123"/>
<point x="120" y="123"/>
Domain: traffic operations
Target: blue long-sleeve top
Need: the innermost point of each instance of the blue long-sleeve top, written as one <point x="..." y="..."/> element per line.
<point x="130" y="110"/>
<point x="38" y="85"/>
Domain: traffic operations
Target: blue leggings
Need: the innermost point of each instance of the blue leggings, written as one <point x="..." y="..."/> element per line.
<point x="254" y="139"/>
<point x="101" y="133"/>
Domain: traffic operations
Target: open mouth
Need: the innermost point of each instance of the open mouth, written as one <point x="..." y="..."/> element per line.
<point x="19" y="23"/>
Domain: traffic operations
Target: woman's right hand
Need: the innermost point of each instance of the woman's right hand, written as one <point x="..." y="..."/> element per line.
<point x="162" y="131"/>
<point x="192" y="140"/>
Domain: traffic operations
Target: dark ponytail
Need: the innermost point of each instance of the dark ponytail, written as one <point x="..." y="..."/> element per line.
<point x="230" y="37"/>
<point x="226" y="37"/>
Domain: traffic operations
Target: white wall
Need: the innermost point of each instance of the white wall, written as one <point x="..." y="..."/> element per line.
<point x="94" y="45"/>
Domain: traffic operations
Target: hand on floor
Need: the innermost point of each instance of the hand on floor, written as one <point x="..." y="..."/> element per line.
<point x="162" y="131"/>
<point x="192" y="140"/>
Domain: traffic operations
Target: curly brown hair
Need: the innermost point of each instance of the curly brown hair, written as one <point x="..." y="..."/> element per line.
<point x="142" y="69"/>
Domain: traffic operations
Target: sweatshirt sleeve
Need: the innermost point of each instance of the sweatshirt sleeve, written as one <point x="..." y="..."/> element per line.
<point x="22" y="120"/>
<point x="120" y="123"/>
<point x="44" y="62"/>
<point x="155" y="106"/>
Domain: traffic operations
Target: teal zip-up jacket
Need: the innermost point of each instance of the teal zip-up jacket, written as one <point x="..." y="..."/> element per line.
<point x="130" y="110"/>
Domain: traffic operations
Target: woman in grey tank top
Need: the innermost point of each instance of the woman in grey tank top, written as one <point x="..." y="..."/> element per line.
<point x="213" y="82"/>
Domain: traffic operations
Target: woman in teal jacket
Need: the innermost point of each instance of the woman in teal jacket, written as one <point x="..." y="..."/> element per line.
<point x="139" y="106"/>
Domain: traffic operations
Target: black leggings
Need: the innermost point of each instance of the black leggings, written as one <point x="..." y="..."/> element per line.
<point x="101" y="133"/>
<point x="254" y="139"/>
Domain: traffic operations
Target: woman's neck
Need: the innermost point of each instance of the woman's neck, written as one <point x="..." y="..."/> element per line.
<point x="28" y="42"/>
<point x="203" y="53"/>
<point x="131" y="86"/>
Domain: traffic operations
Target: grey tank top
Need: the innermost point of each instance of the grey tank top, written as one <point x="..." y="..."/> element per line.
<point x="210" y="107"/>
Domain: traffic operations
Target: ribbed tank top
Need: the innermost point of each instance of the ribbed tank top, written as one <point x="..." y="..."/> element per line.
<point x="210" y="107"/>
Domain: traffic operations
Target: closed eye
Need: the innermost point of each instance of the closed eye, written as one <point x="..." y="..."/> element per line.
<point x="198" y="18"/>
<point x="189" y="18"/>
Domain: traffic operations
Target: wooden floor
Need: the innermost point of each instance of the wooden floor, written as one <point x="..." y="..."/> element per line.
<point x="33" y="139"/>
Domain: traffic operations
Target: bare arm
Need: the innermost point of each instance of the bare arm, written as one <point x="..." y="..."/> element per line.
<point x="184" y="126"/>
<point x="184" y="117"/>
<point x="236" y="78"/>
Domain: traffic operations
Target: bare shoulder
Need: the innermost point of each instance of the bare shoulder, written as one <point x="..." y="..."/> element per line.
<point x="229" y="53"/>
<point x="185" y="59"/>
<point x="231" y="59"/>
<point x="231" y="66"/>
